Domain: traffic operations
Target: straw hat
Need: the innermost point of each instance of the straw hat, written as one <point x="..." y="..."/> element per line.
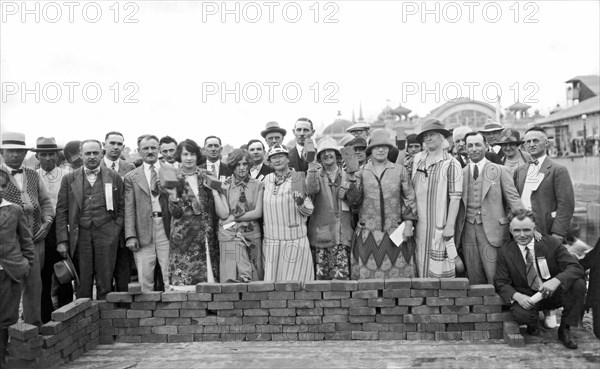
<point x="358" y="127"/>
<point x="13" y="140"/>
<point x="491" y="126"/>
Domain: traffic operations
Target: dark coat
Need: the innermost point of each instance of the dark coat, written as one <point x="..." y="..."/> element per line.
<point x="591" y="261"/>
<point x="296" y="162"/>
<point x="17" y="252"/>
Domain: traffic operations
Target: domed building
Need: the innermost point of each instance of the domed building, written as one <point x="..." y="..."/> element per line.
<point x="463" y="112"/>
<point x="337" y="129"/>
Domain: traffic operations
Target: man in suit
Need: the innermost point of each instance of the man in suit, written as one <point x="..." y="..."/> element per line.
<point x="167" y="146"/>
<point x="481" y="224"/>
<point x="303" y="130"/>
<point x="259" y="168"/>
<point x="113" y="148"/>
<point x="458" y="137"/>
<point x="26" y="190"/>
<point x="212" y="149"/>
<point x="526" y="266"/>
<point x="89" y="220"/>
<point x="147" y="217"/>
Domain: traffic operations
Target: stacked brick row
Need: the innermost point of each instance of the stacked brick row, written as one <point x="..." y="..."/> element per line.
<point x="72" y="331"/>
<point x="393" y="309"/>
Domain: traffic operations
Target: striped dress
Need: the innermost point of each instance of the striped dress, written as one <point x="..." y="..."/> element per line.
<point x="434" y="187"/>
<point x="286" y="251"/>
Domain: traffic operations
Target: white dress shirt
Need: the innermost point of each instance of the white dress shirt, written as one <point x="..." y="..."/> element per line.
<point x="18" y="176"/>
<point x="300" y="151"/>
<point x="213" y="167"/>
<point x="480" y="165"/>
<point x="109" y="164"/>
<point x="155" y="203"/>
<point x="532" y="181"/>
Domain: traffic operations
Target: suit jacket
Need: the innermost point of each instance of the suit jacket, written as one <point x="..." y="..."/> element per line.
<point x="296" y="162"/>
<point x="124" y="167"/>
<point x="17" y="252"/>
<point x="498" y="192"/>
<point x="70" y="204"/>
<point x="138" y="207"/>
<point x="554" y="194"/>
<point x="264" y="170"/>
<point x="511" y="275"/>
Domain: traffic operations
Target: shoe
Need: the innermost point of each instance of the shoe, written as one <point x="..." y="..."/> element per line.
<point x="533" y="330"/>
<point x="550" y="321"/>
<point x="564" y="335"/>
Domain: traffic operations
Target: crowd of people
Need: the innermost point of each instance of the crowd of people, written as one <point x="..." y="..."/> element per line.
<point x="435" y="204"/>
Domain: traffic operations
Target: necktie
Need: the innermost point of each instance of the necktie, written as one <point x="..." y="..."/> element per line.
<point x="534" y="162"/>
<point x="153" y="181"/>
<point x="113" y="166"/>
<point x="475" y="172"/>
<point x="532" y="278"/>
<point x="16" y="171"/>
<point x="93" y="172"/>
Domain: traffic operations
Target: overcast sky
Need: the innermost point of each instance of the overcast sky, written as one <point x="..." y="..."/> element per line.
<point x="162" y="66"/>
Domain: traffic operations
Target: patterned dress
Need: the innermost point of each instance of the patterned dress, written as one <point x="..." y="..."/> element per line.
<point x="286" y="249"/>
<point x="191" y="232"/>
<point x="384" y="202"/>
<point x="434" y="186"/>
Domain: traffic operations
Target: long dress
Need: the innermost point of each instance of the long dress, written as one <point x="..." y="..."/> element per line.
<point x="434" y="187"/>
<point x="286" y="249"/>
<point x="384" y="202"/>
<point x="241" y="245"/>
<point x="191" y="232"/>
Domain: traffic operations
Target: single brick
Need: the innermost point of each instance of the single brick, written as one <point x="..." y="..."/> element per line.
<point x="282" y="320"/>
<point x="111" y="314"/>
<point x="178" y="338"/>
<point x="256" y="312"/>
<point x="365" y="294"/>
<point x="425" y="283"/>
<point x="164" y="329"/>
<point x="132" y="314"/>
<point x="208" y="287"/>
<point x="168" y="305"/>
<point x="487" y="309"/>
<point x="52" y="328"/>
<point x="301" y="304"/>
<point x="295" y="328"/>
<point x="371" y="284"/>
<point x="360" y="335"/>
<point x="144" y="305"/>
<point x="154" y="338"/>
<point x="341" y="285"/>
<point x="178" y="321"/>
<point x="213" y="337"/>
<point x="424" y="293"/>
<point x="481" y="290"/>
<point x="396" y="310"/>
<point x="278" y="304"/>
<point x="448" y="336"/>
<point x="451" y="327"/>
<point x="487" y="326"/>
<point x="166" y="313"/>
<point x="125" y="323"/>
<point x="336" y="318"/>
<point x="248" y="304"/>
<point x="471" y="318"/>
<point x="411" y="301"/>
<point x="389" y="319"/>
<point x="452" y="293"/>
<point x="465" y="301"/>
<point x="255" y="296"/>
<point x="207" y="320"/>
<point x="72" y="309"/>
<point x="230" y="313"/>
<point x="199" y="296"/>
<point x="282" y="312"/>
<point x="493" y="300"/>
<point x="288" y="286"/>
<point x="455" y="310"/>
<point x="103" y="305"/>
<point x="280" y="295"/>
<point x="332" y="295"/>
<point x="171" y="296"/>
<point x="285" y="336"/>
<point x="148" y="296"/>
<point x="118" y="297"/>
<point x="226" y="297"/>
<point x="134" y="288"/>
<point x="376" y="327"/>
<point x="392" y="336"/>
<point x="510" y="327"/>
<point x="311" y="336"/>
<point x="319" y="286"/>
<point x="325" y="327"/>
<point x="336" y="311"/>
<point x="475" y="335"/>
<point x="138" y="330"/>
<point x="420" y="336"/>
<point x="454" y="283"/>
<point x="351" y="302"/>
<point x="309" y="311"/>
<point x="444" y="318"/>
<point x="431" y="327"/>
<point x="255" y="320"/>
<point x="308" y="320"/>
<point x="505" y="316"/>
<point x="261" y="286"/>
<point x="438" y="301"/>
<point x="306" y="295"/>
<point x="342" y="327"/>
<point x="362" y="311"/>
<point x="398" y="283"/>
<point x="403" y="327"/>
<point x="412" y="318"/>
<point x="339" y="336"/>
<point x="194" y="305"/>
<point x="233" y="287"/>
<point x="220" y="305"/>
<point x="381" y="302"/>
<point x="361" y="318"/>
<point x="396" y="293"/>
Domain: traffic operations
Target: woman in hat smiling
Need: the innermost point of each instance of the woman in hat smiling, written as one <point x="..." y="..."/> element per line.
<point x="437" y="179"/>
<point x="510" y="141"/>
<point x="385" y="197"/>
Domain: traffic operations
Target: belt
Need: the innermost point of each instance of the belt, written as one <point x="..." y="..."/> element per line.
<point x="156" y="214"/>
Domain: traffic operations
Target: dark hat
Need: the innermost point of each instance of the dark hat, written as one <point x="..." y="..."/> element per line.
<point x="273" y="127"/>
<point x="46" y="144"/>
<point x="357" y="142"/>
<point x="433" y="124"/>
<point x="13" y="140"/>
<point x="65" y="271"/>
<point x="379" y="137"/>
<point x="412" y="139"/>
<point x="509" y="136"/>
<point x="491" y="126"/>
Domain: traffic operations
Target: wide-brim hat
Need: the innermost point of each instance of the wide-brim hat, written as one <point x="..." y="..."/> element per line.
<point x="491" y="126"/>
<point x="13" y="140"/>
<point x="509" y="136"/>
<point x="273" y="127"/>
<point x="65" y="271"/>
<point x="379" y="137"/>
<point x="346" y="140"/>
<point x="361" y="126"/>
<point x="433" y="124"/>
<point x="327" y="143"/>
<point x="358" y="142"/>
<point x="46" y="144"/>
<point x="278" y="149"/>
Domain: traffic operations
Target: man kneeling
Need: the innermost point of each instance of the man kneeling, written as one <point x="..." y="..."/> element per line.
<point x="528" y="269"/>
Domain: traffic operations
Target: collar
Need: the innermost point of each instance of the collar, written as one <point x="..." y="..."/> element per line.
<point x="480" y="164"/>
<point x="540" y="160"/>
<point x="299" y="148"/>
<point x="109" y="162"/>
<point x="244" y="182"/>
<point x="5" y="202"/>
<point x="530" y="245"/>
<point x="156" y="166"/>
<point x="216" y="163"/>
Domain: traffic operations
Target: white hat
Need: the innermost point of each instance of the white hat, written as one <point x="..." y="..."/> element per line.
<point x="278" y="149"/>
<point x="14" y="140"/>
<point x="358" y="127"/>
<point x="327" y="143"/>
<point x="460" y="132"/>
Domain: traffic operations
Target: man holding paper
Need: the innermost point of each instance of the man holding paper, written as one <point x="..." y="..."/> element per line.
<point x="89" y="219"/>
<point x="526" y="266"/>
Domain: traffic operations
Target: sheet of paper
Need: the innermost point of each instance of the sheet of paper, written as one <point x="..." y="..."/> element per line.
<point x="345" y="206"/>
<point x="543" y="265"/>
<point x="108" y="195"/>
<point x="536" y="298"/>
<point x="397" y="237"/>
<point x="228" y="225"/>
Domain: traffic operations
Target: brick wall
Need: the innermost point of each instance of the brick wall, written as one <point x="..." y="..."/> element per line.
<point x="392" y="309"/>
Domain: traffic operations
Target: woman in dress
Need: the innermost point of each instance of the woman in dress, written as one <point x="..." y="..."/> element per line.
<point x="285" y="210"/>
<point x="329" y="227"/>
<point x="385" y="197"/>
<point x="437" y="180"/>
<point x="510" y="141"/>
<point x="194" y="255"/>
<point x="240" y="208"/>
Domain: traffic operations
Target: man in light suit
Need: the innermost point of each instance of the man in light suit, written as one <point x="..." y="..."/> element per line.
<point x="113" y="148"/>
<point x="545" y="187"/>
<point x="147" y="217"/>
<point x="481" y="225"/>
<point x="89" y="219"/>
<point x="526" y="266"/>
<point x="303" y="130"/>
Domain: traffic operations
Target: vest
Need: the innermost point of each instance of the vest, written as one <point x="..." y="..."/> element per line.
<point x="94" y="204"/>
<point x="27" y="199"/>
<point x="474" y="199"/>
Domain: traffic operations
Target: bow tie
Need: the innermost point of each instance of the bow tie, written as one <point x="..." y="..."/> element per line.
<point x="92" y="172"/>
<point x="16" y="171"/>
<point x="534" y="162"/>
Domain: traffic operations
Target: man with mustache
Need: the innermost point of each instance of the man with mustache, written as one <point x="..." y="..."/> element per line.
<point x="89" y="220"/>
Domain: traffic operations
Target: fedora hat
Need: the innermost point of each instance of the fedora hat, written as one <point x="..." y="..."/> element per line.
<point x="272" y="127"/>
<point x="46" y="144"/>
<point x="509" y="136"/>
<point x="13" y="140"/>
<point x="327" y="143"/>
<point x="278" y="149"/>
<point x="491" y="126"/>
<point x="358" y="127"/>
<point x="65" y="271"/>
<point x="433" y="124"/>
<point x="379" y="137"/>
